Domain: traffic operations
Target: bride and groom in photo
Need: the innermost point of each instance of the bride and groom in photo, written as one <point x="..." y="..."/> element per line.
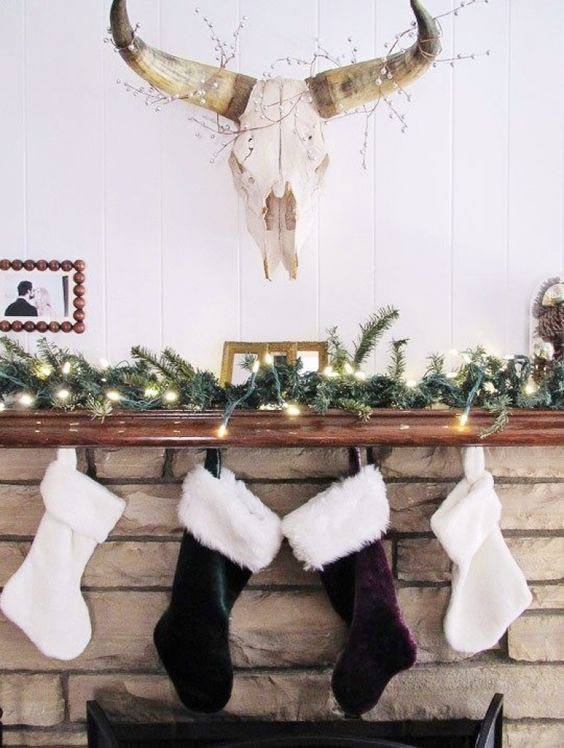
<point x="30" y="302"/>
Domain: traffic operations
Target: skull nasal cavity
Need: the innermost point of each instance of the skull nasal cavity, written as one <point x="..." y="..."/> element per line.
<point x="281" y="211"/>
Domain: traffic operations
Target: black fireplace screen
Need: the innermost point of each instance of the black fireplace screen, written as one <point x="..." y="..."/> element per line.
<point x="104" y="732"/>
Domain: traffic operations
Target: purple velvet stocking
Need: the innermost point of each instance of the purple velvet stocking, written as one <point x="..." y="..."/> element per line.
<point x="361" y="589"/>
<point x="379" y="644"/>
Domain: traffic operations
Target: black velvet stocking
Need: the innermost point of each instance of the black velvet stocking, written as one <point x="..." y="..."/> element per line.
<point x="192" y="636"/>
<point x="361" y="589"/>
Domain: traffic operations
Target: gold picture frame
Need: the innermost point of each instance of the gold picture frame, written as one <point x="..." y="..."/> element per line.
<point x="290" y="350"/>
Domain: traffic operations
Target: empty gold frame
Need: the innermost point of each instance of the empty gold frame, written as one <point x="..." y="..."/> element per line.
<point x="313" y="355"/>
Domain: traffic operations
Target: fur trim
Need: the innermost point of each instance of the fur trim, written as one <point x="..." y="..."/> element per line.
<point x="339" y="521"/>
<point x="222" y="514"/>
<point x="80" y="502"/>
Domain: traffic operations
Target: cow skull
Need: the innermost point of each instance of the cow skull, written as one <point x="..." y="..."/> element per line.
<point x="278" y="158"/>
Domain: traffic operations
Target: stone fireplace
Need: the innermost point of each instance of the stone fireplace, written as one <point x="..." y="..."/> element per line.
<point x="285" y="635"/>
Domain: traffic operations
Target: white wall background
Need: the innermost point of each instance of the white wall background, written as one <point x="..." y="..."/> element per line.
<point x="454" y="221"/>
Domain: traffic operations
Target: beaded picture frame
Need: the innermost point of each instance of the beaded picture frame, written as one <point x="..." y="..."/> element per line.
<point x="42" y="296"/>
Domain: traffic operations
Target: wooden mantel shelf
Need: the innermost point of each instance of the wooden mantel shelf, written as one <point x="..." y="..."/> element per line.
<point x="273" y="429"/>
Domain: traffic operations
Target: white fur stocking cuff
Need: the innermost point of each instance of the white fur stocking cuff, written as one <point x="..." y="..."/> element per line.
<point x="340" y="520"/>
<point x="80" y="502"/>
<point x="222" y="514"/>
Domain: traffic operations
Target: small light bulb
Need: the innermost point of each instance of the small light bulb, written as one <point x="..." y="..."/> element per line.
<point x="104" y="363"/>
<point x="348" y="368"/>
<point x="222" y="430"/>
<point x="45" y="370"/>
<point x="530" y="388"/>
<point x="151" y="392"/>
<point x="63" y="394"/>
<point x="256" y="366"/>
<point x="292" y="409"/>
<point x="170" y="396"/>
<point x="26" y="399"/>
<point x="113" y="396"/>
<point x="411" y="383"/>
<point x="2" y="407"/>
<point x="268" y="359"/>
<point x="463" y="420"/>
<point x="67" y="367"/>
<point x="360" y="375"/>
<point x="451" y="375"/>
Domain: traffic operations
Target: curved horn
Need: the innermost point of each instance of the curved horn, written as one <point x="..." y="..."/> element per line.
<point x="336" y="91"/>
<point x="213" y="88"/>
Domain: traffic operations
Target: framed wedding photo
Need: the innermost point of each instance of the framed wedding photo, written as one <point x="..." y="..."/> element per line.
<point x="42" y="296"/>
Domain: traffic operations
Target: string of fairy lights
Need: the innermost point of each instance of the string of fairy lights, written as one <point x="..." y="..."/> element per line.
<point x="226" y="51"/>
<point x="55" y="378"/>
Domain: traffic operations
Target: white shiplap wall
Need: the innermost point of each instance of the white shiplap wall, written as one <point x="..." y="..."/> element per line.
<point x="454" y="221"/>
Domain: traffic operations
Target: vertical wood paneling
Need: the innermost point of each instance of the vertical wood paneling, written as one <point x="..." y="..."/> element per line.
<point x="466" y="214"/>
<point x="346" y="229"/>
<point x="200" y="245"/>
<point x="536" y="154"/>
<point x="413" y="200"/>
<point x="65" y="146"/>
<point x="479" y="190"/>
<point x="12" y="129"/>
<point x="281" y="309"/>
<point x="132" y="200"/>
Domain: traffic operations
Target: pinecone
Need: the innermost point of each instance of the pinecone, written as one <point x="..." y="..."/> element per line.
<point x="551" y="324"/>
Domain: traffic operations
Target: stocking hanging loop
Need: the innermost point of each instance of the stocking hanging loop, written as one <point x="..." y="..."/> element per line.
<point x="67" y="456"/>
<point x="355" y="461"/>
<point x="213" y="462"/>
<point x="474" y="462"/>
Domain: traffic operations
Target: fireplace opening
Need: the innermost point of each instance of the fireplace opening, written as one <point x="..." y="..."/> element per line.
<point x="106" y="732"/>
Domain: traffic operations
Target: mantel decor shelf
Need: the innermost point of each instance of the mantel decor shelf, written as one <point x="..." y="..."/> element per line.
<point x="170" y="428"/>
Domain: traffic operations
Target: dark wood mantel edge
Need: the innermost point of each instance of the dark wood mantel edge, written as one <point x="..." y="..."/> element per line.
<point x="170" y="428"/>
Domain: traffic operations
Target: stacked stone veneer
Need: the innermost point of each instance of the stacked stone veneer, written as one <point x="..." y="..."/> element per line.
<point x="284" y="634"/>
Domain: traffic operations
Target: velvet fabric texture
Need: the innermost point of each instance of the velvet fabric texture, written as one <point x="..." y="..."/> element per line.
<point x="379" y="643"/>
<point x="338" y="533"/>
<point x="192" y="636"/>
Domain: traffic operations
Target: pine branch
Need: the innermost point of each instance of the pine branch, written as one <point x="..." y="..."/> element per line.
<point x="436" y="365"/>
<point x="50" y="353"/>
<point x="147" y="357"/>
<point x="396" y="367"/>
<point x="361" y="410"/>
<point x="98" y="408"/>
<point x="249" y="360"/>
<point x="183" y="368"/>
<point x="501" y="408"/>
<point x="338" y="354"/>
<point x="14" y="350"/>
<point x="371" y="332"/>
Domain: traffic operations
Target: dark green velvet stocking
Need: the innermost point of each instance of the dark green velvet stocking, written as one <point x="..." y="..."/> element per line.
<point x="192" y="636"/>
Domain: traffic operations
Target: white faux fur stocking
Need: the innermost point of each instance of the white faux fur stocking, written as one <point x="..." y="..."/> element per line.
<point x="489" y="590"/>
<point x="43" y="597"/>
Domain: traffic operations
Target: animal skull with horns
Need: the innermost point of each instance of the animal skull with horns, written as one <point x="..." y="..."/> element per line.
<point x="278" y="158"/>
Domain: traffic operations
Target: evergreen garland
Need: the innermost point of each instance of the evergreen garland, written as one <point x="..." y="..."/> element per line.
<point x="56" y="378"/>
